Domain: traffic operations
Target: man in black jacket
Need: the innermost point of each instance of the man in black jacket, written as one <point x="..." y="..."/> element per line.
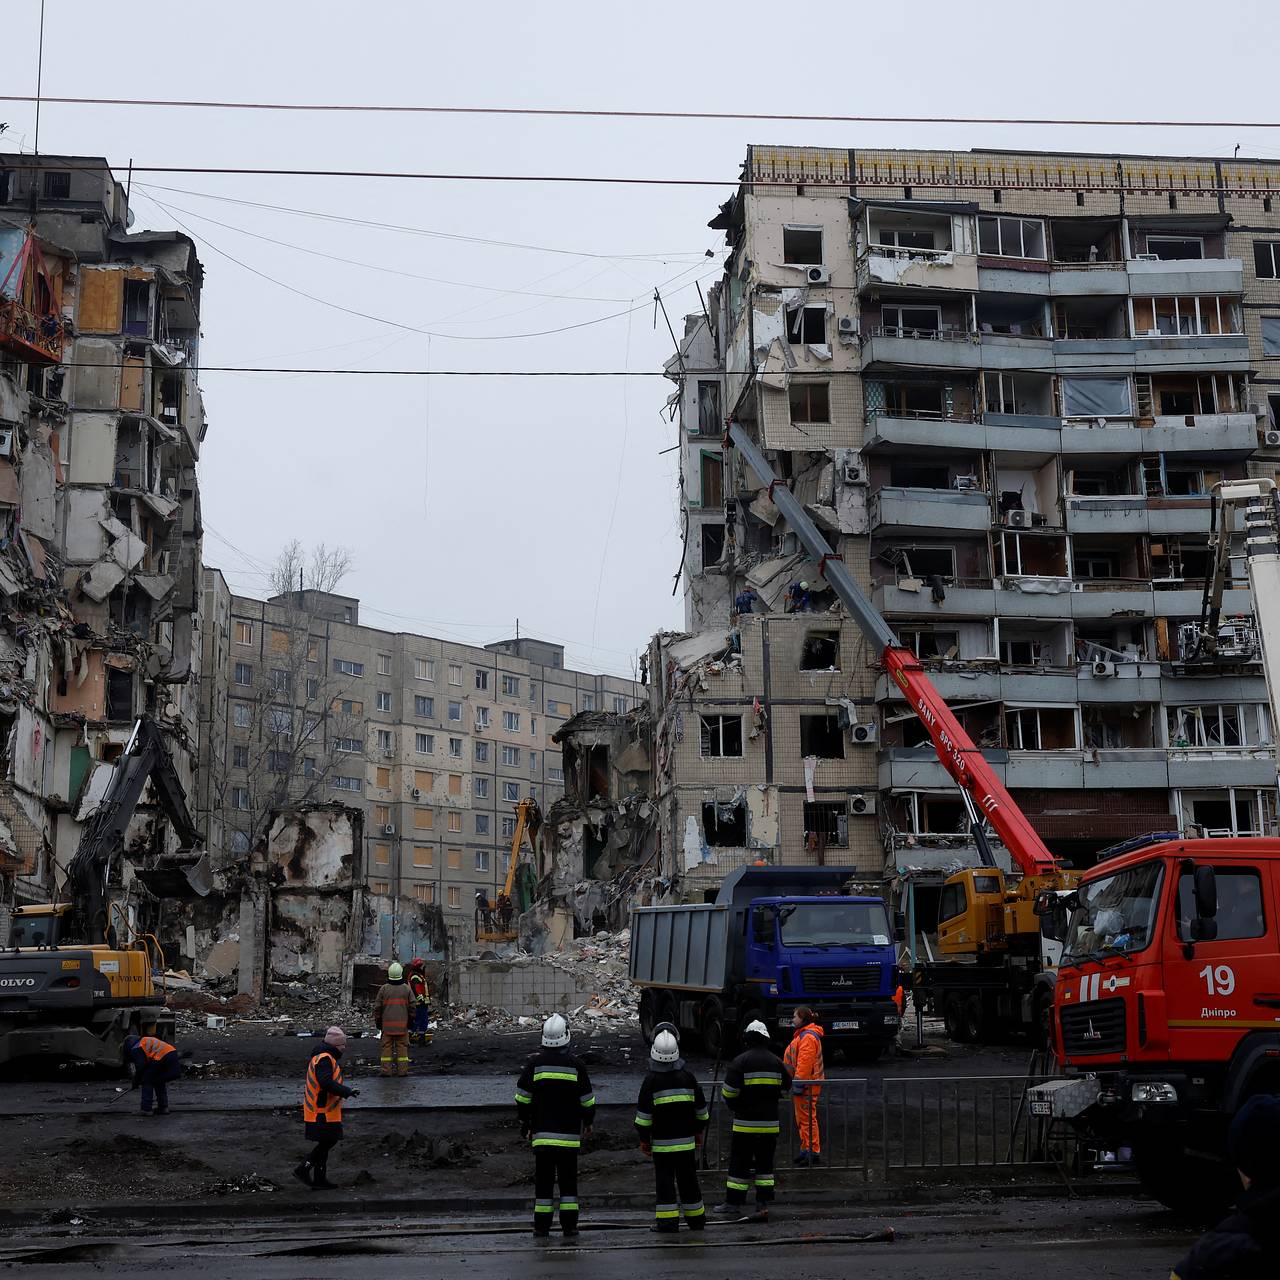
<point x="671" y="1116"/>
<point x="753" y="1085"/>
<point x="1245" y="1245"/>
<point x="555" y="1106"/>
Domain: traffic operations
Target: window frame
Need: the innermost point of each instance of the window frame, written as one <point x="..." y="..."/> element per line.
<point x="1000" y="252"/>
<point x="712" y="735"/>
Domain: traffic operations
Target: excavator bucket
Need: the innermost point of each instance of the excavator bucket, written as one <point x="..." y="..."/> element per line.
<point x="185" y="875"/>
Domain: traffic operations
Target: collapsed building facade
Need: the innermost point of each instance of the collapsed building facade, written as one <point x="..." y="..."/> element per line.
<point x="1004" y="385"/>
<point x="101" y="422"/>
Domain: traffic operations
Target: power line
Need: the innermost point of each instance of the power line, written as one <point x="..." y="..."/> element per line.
<point x="598" y="113"/>
<point x="420" y="373"/>
<point x="859" y="183"/>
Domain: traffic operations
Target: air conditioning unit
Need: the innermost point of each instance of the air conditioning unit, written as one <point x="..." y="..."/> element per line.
<point x="1258" y="410"/>
<point x="865" y="803"/>
<point x="1271" y="439"/>
<point x="6" y="442"/>
<point x="852" y="473"/>
<point x="817" y="275"/>
<point x="388" y="830"/>
<point x="416" y="793"/>
<point x="480" y="728"/>
<point x="864" y="735"/>
<point x="1018" y="519"/>
<point x="1102" y="668"/>
<point x="965" y="484"/>
<point x="847" y="326"/>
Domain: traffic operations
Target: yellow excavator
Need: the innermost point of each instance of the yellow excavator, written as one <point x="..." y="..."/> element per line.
<point x="76" y="975"/>
<point x="495" y="921"/>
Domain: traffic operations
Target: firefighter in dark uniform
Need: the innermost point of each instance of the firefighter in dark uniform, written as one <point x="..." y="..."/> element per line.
<point x="671" y="1117"/>
<point x="753" y="1087"/>
<point x="555" y="1106"/>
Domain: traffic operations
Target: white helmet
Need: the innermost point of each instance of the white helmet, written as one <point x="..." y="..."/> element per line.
<point x="756" y="1028"/>
<point x="555" y="1032"/>
<point x="666" y="1048"/>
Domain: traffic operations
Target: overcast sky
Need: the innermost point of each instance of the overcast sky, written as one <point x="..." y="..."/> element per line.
<point x="468" y="503"/>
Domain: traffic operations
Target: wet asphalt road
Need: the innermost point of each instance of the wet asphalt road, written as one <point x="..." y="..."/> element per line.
<point x="1009" y="1239"/>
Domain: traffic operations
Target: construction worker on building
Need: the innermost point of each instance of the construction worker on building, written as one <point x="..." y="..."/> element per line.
<point x="156" y="1064"/>
<point x="671" y="1118"/>
<point x="392" y="1015"/>
<point x="555" y="1106"/>
<point x="420" y="1028"/>
<point x="322" y="1108"/>
<point x="803" y="1059"/>
<point x="753" y="1085"/>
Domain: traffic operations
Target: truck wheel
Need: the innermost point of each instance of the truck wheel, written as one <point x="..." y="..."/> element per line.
<point x="1195" y="1187"/>
<point x="1042" y="1019"/>
<point x="953" y="1017"/>
<point x="715" y="1034"/>
<point x="975" y="1021"/>
<point x="648" y="1016"/>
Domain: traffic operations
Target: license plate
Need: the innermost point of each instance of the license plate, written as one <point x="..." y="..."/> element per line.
<point x="846" y="1026"/>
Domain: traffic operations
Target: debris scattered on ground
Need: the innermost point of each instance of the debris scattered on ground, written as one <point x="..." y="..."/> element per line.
<point x="248" y="1184"/>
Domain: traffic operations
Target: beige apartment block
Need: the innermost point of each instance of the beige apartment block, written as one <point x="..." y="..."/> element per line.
<point x="1004" y="385"/>
<point x="434" y="740"/>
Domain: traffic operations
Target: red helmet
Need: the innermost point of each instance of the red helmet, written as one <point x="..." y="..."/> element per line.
<point x="417" y="963"/>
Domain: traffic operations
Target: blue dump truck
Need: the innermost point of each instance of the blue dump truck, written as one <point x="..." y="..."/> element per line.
<point x="773" y="939"/>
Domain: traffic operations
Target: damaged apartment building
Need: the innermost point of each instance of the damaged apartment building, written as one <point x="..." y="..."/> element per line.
<point x="1004" y="384"/>
<point x="100" y="428"/>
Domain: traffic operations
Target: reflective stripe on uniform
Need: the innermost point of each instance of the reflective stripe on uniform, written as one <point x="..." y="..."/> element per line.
<point x="644" y="1118"/>
<point x="734" y="1185"/>
<point x="521" y="1096"/>
<point x="667" y="1211"/>
<point x="728" y="1091"/>
<point x="763" y="1180"/>
<point x="587" y="1099"/>
<point x="555" y="1075"/>
<point x="557" y="1140"/>
<point x="704" y="1114"/>
<point x="154" y="1049"/>
<point x="755" y="1126"/>
<point x="568" y="1206"/>
<point x="769" y="1077"/>
<point x="672" y="1095"/>
<point x="669" y="1146"/>
<point x="693" y="1210"/>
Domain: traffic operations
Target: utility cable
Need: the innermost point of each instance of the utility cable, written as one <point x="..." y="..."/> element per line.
<point x="596" y="113"/>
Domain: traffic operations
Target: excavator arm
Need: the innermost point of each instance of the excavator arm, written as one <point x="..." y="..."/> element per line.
<point x="957" y="752"/>
<point x="146" y="758"/>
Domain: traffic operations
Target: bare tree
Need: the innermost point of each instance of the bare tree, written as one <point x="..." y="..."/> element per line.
<point x="299" y="726"/>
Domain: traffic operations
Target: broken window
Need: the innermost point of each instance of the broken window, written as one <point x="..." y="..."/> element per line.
<point x="826" y="825"/>
<point x="930" y="562"/>
<point x="806" y="325"/>
<point x="711" y="472"/>
<point x="239" y="757"/>
<point x="907" y="475"/>
<point x="810" y="401"/>
<point x="511" y="791"/>
<point x="1022" y="393"/>
<point x="710" y="421"/>
<point x="1266" y="259"/>
<point x="1011" y="237"/>
<point x="712" y="544"/>
<point x="820" y="651"/>
<point x="725" y="825"/>
<point x="821" y="736"/>
<point x="119" y="694"/>
<point x="344" y="667"/>
<point x="137" y="308"/>
<point x="239" y="842"/>
<point x="1175" y="248"/>
<point x="802" y="246"/>
<point x="482" y="678"/>
<point x="1032" y="556"/>
<point x="384" y="741"/>
<point x="721" y="735"/>
<point x="930" y="642"/>
<point x="911" y="321"/>
<point x="1186" y="316"/>
<point x="56" y="184"/>
<point x="903" y="238"/>
<point x="1040" y="728"/>
<point x="455" y="748"/>
<point x="240" y="797"/>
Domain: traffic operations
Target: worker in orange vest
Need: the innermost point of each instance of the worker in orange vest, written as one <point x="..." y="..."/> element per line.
<point x="803" y="1059"/>
<point x="391" y="1013"/>
<point x="420" y="1029"/>
<point x="155" y="1063"/>
<point x="322" y="1108"/>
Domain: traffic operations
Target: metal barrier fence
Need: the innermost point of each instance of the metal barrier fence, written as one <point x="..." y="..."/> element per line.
<point x="884" y="1127"/>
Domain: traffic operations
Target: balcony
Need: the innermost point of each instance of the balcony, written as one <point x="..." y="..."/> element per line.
<point x="32" y="338"/>
<point x="976" y="600"/>
<point x="894" y="510"/>
<point x="1204" y="767"/>
<point x="1006" y="433"/>
<point x="945" y="347"/>
<point x="1225" y="435"/>
<point x="918" y="768"/>
<point x="1185" y="275"/>
<point x="924" y="268"/>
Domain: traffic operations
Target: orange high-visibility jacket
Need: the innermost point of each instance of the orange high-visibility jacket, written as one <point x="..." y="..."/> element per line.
<point x="804" y="1058"/>
<point x="153" y="1048"/>
<point x="317" y="1101"/>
